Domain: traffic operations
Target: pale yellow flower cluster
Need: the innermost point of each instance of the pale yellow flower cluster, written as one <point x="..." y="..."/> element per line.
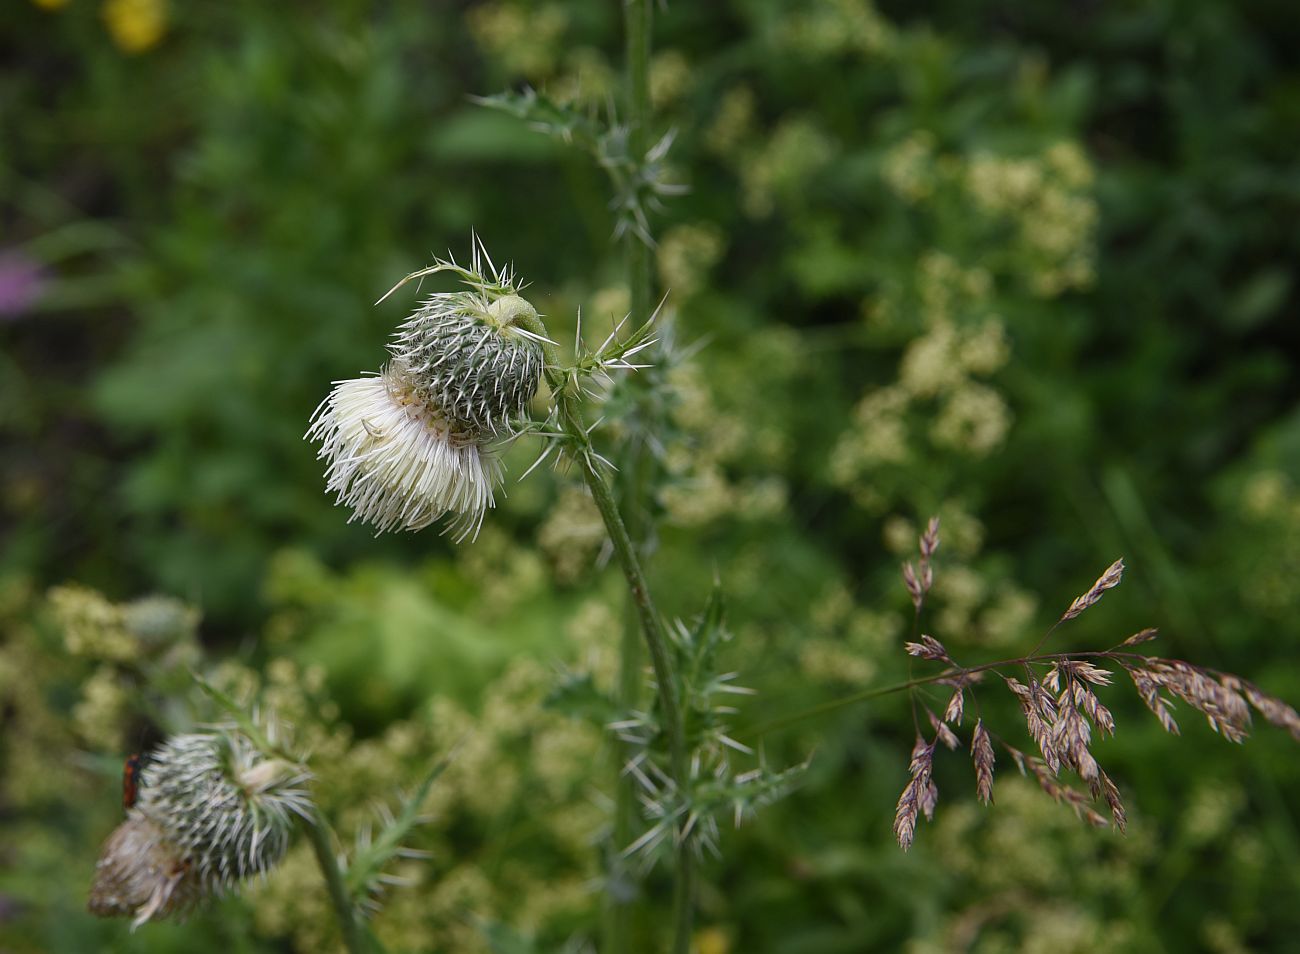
<point x="515" y="762"/>
<point x="587" y="78"/>
<point x="572" y="534"/>
<point x="1266" y="494"/>
<point x="1047" y="197"/>
<point x="782" y="166"/>
<point x="733" y="123"/>
<point x="1007" y="616"/>
<point x="908" y="167"/>
<point x="523" y="41"/>
<point x="103" y="710"/>
<point x="949" y="290"/>
<point x="92" y="626"/>
<point x="935" y="394"/>
<point x="670" y="77"/>
<point x="936" y="403"/>
<point x="830" y="661"/>
<point x="685" y="255"/>
<point x="1046" y="858"/>
<point x="121" y="637"/>
<point x="590" y="631"/>
<point x="833" y="27"/>
<point x="1269" y="504"/>
<point x="845" y="640"/>
<point x="509" y="575"/>
<point x="974" y="419"/>
<point x="710" y="439"/>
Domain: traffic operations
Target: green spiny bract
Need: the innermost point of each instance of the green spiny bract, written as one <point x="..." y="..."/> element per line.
<point x="469" y="357"/>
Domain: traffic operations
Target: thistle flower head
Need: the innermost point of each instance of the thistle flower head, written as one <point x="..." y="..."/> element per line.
<point x="414" y="444"/>
<point x="211" y="811"/>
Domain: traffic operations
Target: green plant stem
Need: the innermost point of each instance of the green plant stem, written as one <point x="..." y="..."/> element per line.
<point x="637" y="19"/>
<point x="653" y="633"/>
<point x="354" y="937"/>
<point x="619" y="916"/>
<point x="636" y="469"/>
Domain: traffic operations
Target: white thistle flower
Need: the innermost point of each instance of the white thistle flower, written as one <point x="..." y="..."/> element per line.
<point x="414" y="444"/>
<point x="211" y="811"/>
<point x="396" y="461"/>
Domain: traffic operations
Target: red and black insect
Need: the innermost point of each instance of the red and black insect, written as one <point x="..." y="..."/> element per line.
<point x="130" y="782"/>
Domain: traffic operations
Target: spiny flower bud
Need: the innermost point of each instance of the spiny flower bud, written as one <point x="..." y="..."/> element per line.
<point x="413" y="445"/>
<point x="471" y="358"/>
<point x="211" y="811"/>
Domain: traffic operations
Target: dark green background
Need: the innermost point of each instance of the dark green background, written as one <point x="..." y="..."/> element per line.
<point x="216" y="214"/>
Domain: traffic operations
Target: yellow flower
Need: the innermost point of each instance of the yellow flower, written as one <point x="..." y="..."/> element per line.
<point x="712" y="940"/>
<point x="135" y="25"/>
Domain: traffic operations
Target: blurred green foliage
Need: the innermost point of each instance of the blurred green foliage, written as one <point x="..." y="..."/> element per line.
<point x="1028" y="266"/>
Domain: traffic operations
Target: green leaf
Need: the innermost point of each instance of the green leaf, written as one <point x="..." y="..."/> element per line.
<point x="367" y="863"/>
<point x="576" y="695"/>
<point x="546" y="115"/>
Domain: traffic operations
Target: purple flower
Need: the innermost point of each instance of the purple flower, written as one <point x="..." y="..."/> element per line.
<point x="22" y="282"/>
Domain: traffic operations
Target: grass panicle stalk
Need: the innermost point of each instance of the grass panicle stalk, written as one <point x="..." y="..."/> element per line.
<point x="1063" y="713"/>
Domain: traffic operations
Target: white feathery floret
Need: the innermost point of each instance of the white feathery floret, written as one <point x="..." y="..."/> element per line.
<point x="396" y="462"/>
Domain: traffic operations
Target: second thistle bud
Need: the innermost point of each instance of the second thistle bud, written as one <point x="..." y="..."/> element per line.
<point x="211" y="811"/>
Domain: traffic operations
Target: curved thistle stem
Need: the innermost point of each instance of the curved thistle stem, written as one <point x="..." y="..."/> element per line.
<point x="652" y="628"/>
<point x="354" y="934"/>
